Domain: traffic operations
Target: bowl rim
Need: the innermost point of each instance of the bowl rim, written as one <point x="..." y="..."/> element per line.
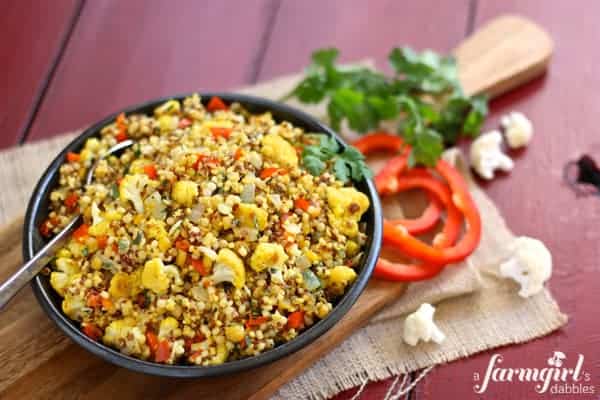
<point x="191" y="371"/>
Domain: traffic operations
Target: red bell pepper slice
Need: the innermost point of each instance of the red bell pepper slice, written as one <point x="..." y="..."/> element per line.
<point x="389" y="270"/>
<point x="379" y="141"/>
<point x="413" y="247"/>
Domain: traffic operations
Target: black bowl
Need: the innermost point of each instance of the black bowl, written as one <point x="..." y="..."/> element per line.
<point x="51" y="302"/>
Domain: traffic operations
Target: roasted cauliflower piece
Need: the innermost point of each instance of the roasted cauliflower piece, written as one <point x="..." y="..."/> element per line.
<point x="279" y="150"/>
<point x="341" y="276"/>
<point x="131" y="188"/>
<point x="267" y="255"/>
<point x="347" y="205"/>
<point x="184" y="192"/>
<point x="251" y="216"/>
<point x="157" y="277"/>
<point x="229" y="267"/>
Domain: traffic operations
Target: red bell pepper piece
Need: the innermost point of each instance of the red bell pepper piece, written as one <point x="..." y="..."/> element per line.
<point x="379" y="141"/>
<point x="215" y="103"/>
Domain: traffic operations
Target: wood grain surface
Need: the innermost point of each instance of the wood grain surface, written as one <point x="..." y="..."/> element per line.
<point x="534" y="200"/>
<point x="32" y="33"/>
<point x="124" y="52"/>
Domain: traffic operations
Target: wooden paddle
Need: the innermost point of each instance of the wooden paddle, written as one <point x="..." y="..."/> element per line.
<point x="39" y="361"/>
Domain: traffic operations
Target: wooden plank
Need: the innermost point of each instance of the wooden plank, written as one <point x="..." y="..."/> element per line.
<point x="535" y="202"/>
<point x="32" y="34"/>
<point x="360" y="29"/>
<point x="124" y="52"/>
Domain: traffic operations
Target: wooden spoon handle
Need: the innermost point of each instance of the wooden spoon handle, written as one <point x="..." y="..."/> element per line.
<point x="503" y="54"/>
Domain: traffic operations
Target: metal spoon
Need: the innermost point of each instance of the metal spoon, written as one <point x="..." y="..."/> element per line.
<point x="30" y="269"/>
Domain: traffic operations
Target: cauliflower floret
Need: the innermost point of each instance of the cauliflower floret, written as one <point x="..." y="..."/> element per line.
<point x="67" y="265"/>
<point x="167" y="327"/>
<point x="155" y="207"/>
<point x="530" y="265"/>
<point x="124" y="335"/>
<point x="157" y="277"/>
<point x="184" y="192"/>
<point x="229" y="268"/>
<point x="251" y="216"/>
<point x="517" y="128"/>
<point x="279" y="150"/>
<point x="96" y="214"/>
<point x="341" y="275"/>
<point x="131" y="188"/>
<point x="235" y="333"/>
<point x="73" y="306"/>
<point x="347" y="206"/>
<point x="267" y="255"/>
<point x="156" y="230"/>
<point x="121" y="285"/>
<point x="487" y="156"/>
<point x="59" y="281"/>
<point x="420" y="326"/>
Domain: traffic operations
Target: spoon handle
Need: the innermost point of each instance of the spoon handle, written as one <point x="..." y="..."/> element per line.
<point x="12" y="286"/>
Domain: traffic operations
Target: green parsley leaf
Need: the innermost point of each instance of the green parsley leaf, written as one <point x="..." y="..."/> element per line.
<point x="424" y="95"/>
<point x="345" y="165"/>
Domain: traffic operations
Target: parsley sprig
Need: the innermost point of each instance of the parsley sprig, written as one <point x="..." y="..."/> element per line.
<point x="424" y="94"/>
<point x="325" y="154"/>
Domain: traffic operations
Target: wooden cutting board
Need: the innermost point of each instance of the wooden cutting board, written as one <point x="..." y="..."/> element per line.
<point x="39" y="361"/>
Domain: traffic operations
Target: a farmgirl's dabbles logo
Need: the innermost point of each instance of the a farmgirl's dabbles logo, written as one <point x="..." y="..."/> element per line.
<point x="558" y="377"/>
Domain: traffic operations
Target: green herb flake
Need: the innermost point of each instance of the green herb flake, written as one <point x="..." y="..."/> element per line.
<point x="311" y="281"/>
<point x="114" y="191"/>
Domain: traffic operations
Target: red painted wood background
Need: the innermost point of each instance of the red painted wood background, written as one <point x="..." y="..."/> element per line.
<point x="67" y="63"/>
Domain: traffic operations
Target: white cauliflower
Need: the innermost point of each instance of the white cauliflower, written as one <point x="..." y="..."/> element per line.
<point x="96" y="214"/>
<point x="530" y="265"/>
<point x="517" y="128"/>
<point x="131" y="188"/>
<point x="420" y="326"/>
<point x="229" y="267"/>
<point x="487" y="156"/>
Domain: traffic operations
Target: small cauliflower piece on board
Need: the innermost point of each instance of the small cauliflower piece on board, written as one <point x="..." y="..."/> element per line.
<point x="486" y="155"/>
<point x="530" y="265"/>
<point x="420" y="326"/>
<point x="347" y="207"/>
<point x="267" y="255"/>
<point x="279" y="150"/>
<point x="229" y="267"/>
<point x="518" y="129"/>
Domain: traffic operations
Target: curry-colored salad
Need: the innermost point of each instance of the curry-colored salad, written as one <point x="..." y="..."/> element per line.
<point x="208" y="240"/>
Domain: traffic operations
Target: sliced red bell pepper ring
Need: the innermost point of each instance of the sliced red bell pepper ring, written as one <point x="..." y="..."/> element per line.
<point x="386" y="180"/>
<point x="399" y="238"/>
<point x="389" y="270"/>
<point x="430" y="217"/>
<point x="379" y="141"/>
<point x="426" y="221"/>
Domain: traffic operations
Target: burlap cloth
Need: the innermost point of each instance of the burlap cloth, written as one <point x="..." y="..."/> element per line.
<point x="475" y="308"/>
